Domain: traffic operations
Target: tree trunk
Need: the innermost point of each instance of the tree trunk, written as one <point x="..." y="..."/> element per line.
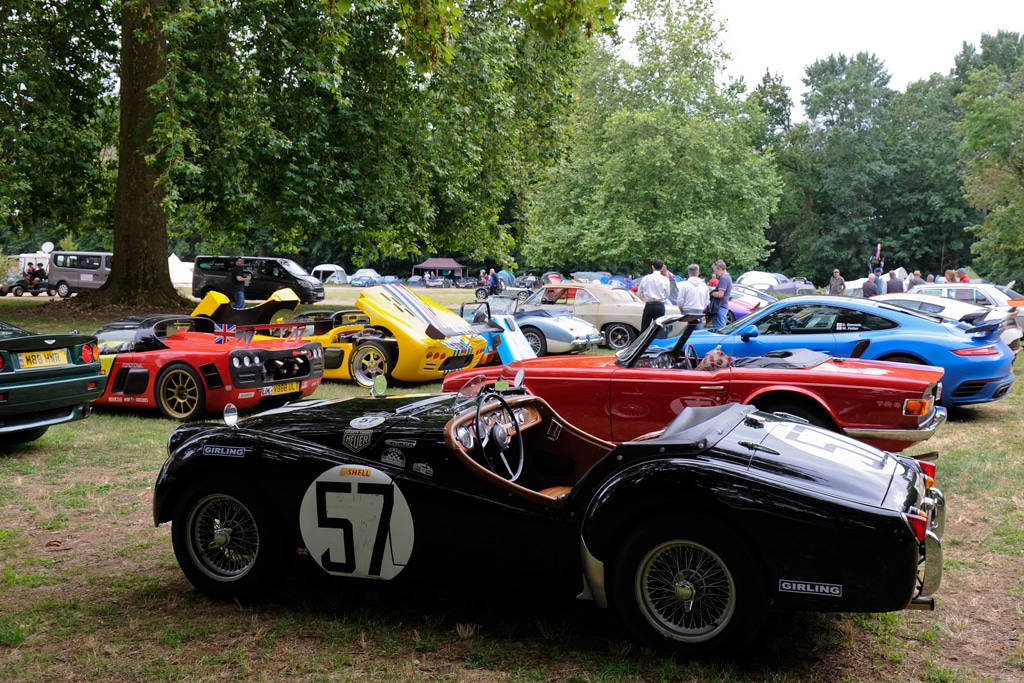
<point x="140" y="274"/>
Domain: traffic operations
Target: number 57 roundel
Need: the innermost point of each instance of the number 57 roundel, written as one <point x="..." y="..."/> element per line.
<point x="356" y="522"/>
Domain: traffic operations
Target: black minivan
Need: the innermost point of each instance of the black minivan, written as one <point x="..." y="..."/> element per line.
<point x="269" y="274"/>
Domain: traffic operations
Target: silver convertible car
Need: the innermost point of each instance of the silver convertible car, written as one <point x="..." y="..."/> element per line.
<point x="549" y="330"/>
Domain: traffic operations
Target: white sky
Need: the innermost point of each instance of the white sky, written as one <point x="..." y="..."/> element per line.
<point x="913" y="38"/>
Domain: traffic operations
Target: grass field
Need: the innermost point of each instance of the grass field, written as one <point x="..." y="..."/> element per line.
<point x="91" y="591"/>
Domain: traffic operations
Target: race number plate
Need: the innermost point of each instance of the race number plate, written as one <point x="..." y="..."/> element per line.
<point x="43" y="359"/>
<point x="286" y="388"/>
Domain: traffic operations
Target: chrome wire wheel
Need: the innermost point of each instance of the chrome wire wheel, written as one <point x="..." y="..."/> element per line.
<point x="685" y="591"/>
<point x="223" y="538"/>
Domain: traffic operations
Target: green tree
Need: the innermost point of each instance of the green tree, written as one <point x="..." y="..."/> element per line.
<point x="662" y="162"/>
<point x="993" y="135"/>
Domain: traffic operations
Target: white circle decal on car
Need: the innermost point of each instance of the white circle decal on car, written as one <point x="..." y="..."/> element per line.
<point x="355" y="522"/>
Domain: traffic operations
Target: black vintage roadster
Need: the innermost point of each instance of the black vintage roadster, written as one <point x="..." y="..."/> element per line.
<point x="690" y="533"/>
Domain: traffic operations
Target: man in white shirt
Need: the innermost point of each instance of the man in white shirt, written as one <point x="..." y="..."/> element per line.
<point x="694" y="296"/>
<point x="653" y="290"/>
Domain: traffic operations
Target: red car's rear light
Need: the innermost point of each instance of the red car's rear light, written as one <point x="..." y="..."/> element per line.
<point x="986" y="350"/>
<point x="918" y="523"/>
<point x="919" y="407"/>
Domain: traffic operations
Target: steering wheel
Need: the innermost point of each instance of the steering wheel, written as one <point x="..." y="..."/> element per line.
<point x="690" y="356"/>
<point x="494" y="443"/>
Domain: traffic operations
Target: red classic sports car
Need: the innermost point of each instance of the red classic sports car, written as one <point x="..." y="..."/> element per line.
<point x="188" y="366"/>
<point x="618" y="398"/>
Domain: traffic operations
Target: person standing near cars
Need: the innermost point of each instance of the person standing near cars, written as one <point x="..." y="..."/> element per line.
<point x="837" y="285"/>
<point x="239" y="278"/>
<point x="653" y="290"/>
<point x="719" y="307"/>
<point x="693" y="296"/>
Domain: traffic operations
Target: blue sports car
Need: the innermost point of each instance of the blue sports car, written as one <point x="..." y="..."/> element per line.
<point x="977" y="364"/>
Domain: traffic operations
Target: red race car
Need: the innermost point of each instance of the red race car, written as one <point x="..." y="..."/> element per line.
<point x="189" y="366"/>
<point x="637" y="391"/>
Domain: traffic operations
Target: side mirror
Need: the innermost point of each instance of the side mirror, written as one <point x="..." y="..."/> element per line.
<point x="380" y="386"/>
<point x="230" y="415"/>
<point x="749" y="332"/>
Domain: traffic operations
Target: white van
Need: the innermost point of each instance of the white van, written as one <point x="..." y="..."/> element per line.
<point x="78" y="271"/>
<point x="330" y="274"/>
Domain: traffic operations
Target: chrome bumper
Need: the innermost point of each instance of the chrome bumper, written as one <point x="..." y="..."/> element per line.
<point x="922" y="433"/>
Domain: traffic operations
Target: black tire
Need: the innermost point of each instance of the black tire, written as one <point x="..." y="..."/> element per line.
<point x="179" y="393"/>
<point x="35" y="292"/>
<point x="813" y="413"/>
<point x="687" y="587"/>
<point x="23" y="436"/>
<point x="51" y="292"/>
<point x="225" y="540"/>
<point x="369" y="360"/>
<point x="17" y="290"/>
<point x="63" y="290"/>
<point x="481" y="294"/>
<point x="536" y="339"/>
<point x="898" y="358"/>
<point x="523" y="296"/>
<point x="618" y="336"/>
<point x="729" y="317"/>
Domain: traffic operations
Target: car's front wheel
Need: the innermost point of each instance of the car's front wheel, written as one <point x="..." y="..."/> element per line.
<point x="687" y="587"/>
<point x="536" y="340"/>
<point x="618" y="336"/>
<point x="481" y="293"/>
<point x="225" y="541"/>
<point x="63" y="290"/>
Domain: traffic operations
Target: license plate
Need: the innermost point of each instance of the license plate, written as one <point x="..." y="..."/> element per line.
<point x="43" y="359"/>
<point x="286" y="388"/>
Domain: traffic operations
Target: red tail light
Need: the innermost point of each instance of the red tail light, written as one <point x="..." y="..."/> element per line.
<point x="928" y="468"/>
<point x="987" y="350"/>
<point x="918" y="523"/>
<point x="88" y="353"/>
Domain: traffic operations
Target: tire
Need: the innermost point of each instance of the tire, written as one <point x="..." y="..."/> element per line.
<point x="225" y="540"/>
<point x="63" y="290"/>
<point x="51" y="292"/>
<point x="369" y="360"/>
<point x="23" y="436"/>
<point x="481" y="294"/>
<point x="618" y="336"/>
<point x="523" y="296"/>
<point x="813" y="413"/>
<point x="17" y="290"/>
<point x="898" y="358"/>
<point x="729" y="317"/>
<point x="536" y="339"/>
<point x="687" y="587"/>
<point x="179" y="393"/>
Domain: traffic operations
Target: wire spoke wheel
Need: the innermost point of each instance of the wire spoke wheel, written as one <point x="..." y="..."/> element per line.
<point x="685" y="591"/>
<point x="223" y="538"/>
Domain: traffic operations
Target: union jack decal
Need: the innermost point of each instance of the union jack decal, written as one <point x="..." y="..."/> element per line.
<point x="223" y="333"/>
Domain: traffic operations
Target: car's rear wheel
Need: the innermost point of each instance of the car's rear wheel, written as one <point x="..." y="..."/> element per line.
<point x="370" y="360"/>
<point x="17" y="290"/>
<point x="902" y="359"/>
<point x="225" y="540"/>
<point x="523" y="296"/>
<point x="179" y="393"/>
<point x="687" y="587"/>
<point x="63" y="290"/>
<point x="24" y="436"/>
<point x="536" y="340"/>
<point x="618" y="336"/>
<point x="481" y="293"/>
<point x="804" y="409"/>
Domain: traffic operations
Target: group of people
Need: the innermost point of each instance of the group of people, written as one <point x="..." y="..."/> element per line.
<point x="893" y="284"/>
<point x="698" y="301"/>
<point x="34" y="274"/>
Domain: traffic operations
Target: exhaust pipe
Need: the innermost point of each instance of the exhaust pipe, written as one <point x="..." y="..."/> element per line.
<point x="926" y="604"/>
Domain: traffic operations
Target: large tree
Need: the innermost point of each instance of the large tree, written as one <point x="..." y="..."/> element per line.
<point x="662" y="162"/>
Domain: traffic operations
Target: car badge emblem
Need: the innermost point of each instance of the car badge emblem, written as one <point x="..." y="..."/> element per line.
<point x="50" y="341"/>
<point x="357" y="440"/>
<point x="366" y="422"/>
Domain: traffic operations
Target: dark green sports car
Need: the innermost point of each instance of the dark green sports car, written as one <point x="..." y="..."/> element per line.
<point x="45" y="379"/>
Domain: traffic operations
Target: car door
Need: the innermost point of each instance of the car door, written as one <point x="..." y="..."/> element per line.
<point x="854" y="326"/>
<point x="643" y="400"/>
<point x="793" y="326"/>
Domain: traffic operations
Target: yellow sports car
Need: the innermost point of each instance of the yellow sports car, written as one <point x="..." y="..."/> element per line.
<point x="395" y="333"/>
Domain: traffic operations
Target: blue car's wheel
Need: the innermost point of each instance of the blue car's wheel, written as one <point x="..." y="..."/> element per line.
<point x="536" y="340"/>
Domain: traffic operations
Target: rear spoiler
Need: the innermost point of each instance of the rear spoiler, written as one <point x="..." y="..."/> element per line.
<point x="291" y="331"/>
<point x="986" y="329"/>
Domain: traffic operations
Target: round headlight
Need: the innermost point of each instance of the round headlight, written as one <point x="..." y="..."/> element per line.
<point x="237" y="363"/>
<point x="246" y="361"/>
<point x="256" y="360"/>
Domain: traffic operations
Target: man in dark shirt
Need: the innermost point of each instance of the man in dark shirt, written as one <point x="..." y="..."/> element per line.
<point x="894" y="285"/>
<point x="238" y="280"/>
<point x="870" y="288"/>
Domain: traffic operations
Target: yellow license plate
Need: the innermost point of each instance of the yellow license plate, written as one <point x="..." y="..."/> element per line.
<point x="286" y="388"/>
<point x="43" y="359"/>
